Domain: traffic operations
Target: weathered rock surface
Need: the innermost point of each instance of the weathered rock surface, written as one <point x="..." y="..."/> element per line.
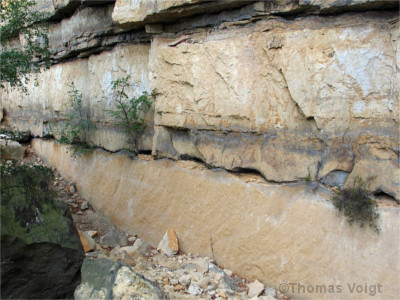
<point x="270" y="232"/>
<point x="247" y="81"/>
<point x="103" y="278"/>
<point x="41" y="253"/>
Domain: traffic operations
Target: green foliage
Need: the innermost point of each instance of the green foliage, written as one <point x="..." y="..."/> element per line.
<point x="3" y="149"/>
<point x="75" y="129"/>
<point x="308" y="177"/>
<point x="129" y="111"/>
<point x="28" y="207"/>
<point x="17" y="60"/>
<point x="12" y="168"/>
<point x="357" y="205"/>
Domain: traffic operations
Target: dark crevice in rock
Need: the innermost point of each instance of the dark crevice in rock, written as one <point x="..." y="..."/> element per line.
<point x="382" y="195"/>
<point x="381" y="5"/>
<point x="145" y="152"/>
<point x="105" y="43"/>
<point x="88" y="3"/>
<point x="192" y="158"/>
<point x="248" y="171"/>
<point x="64" y="12"/>
<point x="255" y="172"/>
<point x="246" y="15"/>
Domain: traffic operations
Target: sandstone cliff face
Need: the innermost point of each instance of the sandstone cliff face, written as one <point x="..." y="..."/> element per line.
<point x="286" y="89"/>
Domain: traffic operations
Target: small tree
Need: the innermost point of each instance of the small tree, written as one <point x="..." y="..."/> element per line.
<point x="76" y="127"/>
<point x="129" y="111"/>
<point x="17" y="61"/>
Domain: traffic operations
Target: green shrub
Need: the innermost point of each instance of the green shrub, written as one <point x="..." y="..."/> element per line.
<point x="357" y="205"/>
<point x="75" y="129"/>
<point x="129" y="112"/>
<point x="19" y="19"/>
<point x="11" y="168"/>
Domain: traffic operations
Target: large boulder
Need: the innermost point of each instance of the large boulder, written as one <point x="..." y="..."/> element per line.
<point x="41" y="253"/>
<point x="103" y="278"/>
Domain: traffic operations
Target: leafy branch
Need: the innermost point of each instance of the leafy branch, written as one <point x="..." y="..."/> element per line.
<point x="77" y="125"/>
<point x="18" y="58"/>
<point x="129" y="112"/>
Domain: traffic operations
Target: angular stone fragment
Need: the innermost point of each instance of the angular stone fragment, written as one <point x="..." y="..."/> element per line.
<point x="225" y="282"/>
<point x="87" y="242"/>
<point x="140" y="247"/>
<point x="194" y="289"/>
<point x="255" y="289"/>
<point x="72" y="188"/>
<point x="169" y="243"/>
<point x="85" y="205"/>
<point x="202" y="266"/>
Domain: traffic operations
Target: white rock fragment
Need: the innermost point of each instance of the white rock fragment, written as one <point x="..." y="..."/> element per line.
<point x="85" y="205"/>
<point x="255" y="289"/>
<point x="184" y="280"/>
<point x="202" y="266"/>
<point x="72" y="188"/>
<point x="228" y="272"/>
<point x="91" y="233"/>
<point x="194" y="289"/>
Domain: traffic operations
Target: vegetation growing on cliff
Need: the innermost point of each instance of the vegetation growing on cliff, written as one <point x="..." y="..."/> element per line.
<point x="24" y="41"/>
<point x="76" y="127"/>
<point x="129" y="112"/>
<point x="357" y="205"/>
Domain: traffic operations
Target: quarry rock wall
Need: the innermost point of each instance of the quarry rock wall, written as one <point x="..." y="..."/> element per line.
<point x="287" y="91"/>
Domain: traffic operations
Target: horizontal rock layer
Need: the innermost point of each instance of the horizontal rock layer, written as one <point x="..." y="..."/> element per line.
<point x="276" y="233"/>
<point x="133" y="13"/>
